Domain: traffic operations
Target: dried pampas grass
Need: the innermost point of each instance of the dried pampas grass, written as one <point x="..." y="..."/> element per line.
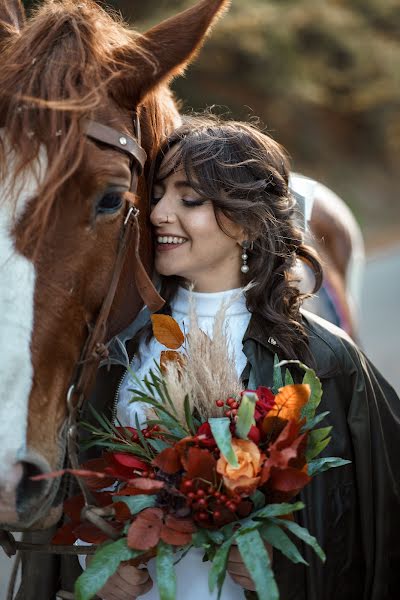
<point x="209" y="373"/>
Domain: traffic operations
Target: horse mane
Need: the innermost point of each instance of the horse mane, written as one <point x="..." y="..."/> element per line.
<point x="60" y="68"/>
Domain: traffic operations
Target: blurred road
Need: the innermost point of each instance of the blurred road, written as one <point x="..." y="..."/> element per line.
<point x="380" y="315"/>
<point x="380" y="333"/>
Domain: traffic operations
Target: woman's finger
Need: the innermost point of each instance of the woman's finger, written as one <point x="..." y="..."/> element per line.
<point x="133" y="575"/>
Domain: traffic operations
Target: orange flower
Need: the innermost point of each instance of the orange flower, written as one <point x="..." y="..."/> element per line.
<point x="245" y="476"/>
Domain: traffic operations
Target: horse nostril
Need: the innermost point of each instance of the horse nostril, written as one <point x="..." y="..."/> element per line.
<point x="28" y="490"/>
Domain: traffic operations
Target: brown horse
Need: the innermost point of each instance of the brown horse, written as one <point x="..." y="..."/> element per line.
<point x="62" y="208"/>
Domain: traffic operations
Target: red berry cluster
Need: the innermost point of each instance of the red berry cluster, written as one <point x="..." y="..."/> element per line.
<point x="148" y="432"/>
<point x="231" y="405"/>
<point x="207" y="503"/>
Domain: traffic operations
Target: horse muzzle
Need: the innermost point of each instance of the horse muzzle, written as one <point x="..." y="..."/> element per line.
<point x="22" y="500"/>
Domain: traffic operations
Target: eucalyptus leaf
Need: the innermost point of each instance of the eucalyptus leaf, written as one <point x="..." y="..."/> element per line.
<point x="104" y="564"/>
<point x="166" y="576"/>
<point x="258" y="499"/>
<point x="245" y="415"/>
<point x="257" y="561"/>
<point x="276" y="510"/>
<point x="313" y="422"/>
<point x="320" y="465"/>
<point x="302" y="534"/>
<point x="288" y="378"/>
<point x="188" y="416"/>
<point x="137" y="503"/>
<point x="216" y="575"/>
<point x="277" y="375"/>
<point x="220" y="428"/>
<point x="274" y="535"/>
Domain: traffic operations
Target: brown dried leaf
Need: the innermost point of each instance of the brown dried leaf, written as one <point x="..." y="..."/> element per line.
<point x="168" y="356"/>
<point x="144" y="533"/>
<point x="167" y="331"/>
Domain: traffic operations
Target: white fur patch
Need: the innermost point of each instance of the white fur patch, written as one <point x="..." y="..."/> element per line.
<point x="17" y="287"/>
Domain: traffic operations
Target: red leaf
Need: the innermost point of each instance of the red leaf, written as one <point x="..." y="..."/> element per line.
<point x="77" y="472"/>
<point x="129" y="461"/>
<point x="168" y="461"/>
<point x="143" y="485"/>
<point x="287" y="451"/>
<point x="73" y="505"/>
<point x="89" y="533"/>
<point x="122" y="512"/>
<point x="183" y="525"/>
<point x="175" y="538"/>
<point x="288" y="480"/>
<point x="144" y="533"/>
<point x="65" y="535"/>
<point x="200" y="464"/>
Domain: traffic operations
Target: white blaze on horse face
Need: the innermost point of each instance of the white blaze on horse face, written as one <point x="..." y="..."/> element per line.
<point x="17" y="288"/>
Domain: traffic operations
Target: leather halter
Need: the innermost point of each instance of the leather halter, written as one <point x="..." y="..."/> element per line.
<point x="94" y="348"/>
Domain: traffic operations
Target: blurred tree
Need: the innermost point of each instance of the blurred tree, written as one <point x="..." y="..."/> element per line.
<point x="324" y="75"/>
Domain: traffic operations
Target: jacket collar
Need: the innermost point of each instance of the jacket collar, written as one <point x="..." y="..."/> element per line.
<point x="321" y="348"/>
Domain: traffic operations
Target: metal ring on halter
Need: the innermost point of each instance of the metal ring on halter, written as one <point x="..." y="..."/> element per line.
<point x="70" y="395"/>
<point x="133" y="210"/>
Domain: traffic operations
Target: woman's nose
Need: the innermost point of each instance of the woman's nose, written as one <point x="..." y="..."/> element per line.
<point x="162" y="213"/>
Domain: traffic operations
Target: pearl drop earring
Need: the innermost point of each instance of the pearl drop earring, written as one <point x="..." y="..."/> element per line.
<point x="245" y="267"/>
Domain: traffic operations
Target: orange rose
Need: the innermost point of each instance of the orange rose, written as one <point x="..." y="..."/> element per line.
<point x="245" y="476"/>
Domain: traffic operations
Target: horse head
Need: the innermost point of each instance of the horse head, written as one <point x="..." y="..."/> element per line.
<point x="62" y="207"/>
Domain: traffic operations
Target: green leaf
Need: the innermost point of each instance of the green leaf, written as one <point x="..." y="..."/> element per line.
<point x="216" y="575"/>
<point x="136" y="503"/>
<point x="158" y="445"/>
<point x="222" y="435"/>
<point x="277" y="375"/>
<point x="323" y="464"/>
<point x="245" y="415"/>
<point x="258" y="499"/>
<point x="104" y="564"/>
<point x="188" y="416"/>
<point x="288" y="378"/>
<point x="313" y="422"/>
<point x="302" y="534"/>
<point x="200" y="538"/>
<point x="276" y="510"/>
<point x="142" y="439"/>
<point x="317" y="442"/>
<point x="257" y="561"/>
<point x="274" y="535"/>
<point x="166" y="576"/>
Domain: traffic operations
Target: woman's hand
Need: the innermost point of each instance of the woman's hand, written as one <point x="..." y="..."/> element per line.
<point x="238" y="571"/>
<point x="128" y="583"/>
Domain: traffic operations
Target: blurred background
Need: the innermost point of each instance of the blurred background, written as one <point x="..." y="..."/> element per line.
<point x="324" y="78"/>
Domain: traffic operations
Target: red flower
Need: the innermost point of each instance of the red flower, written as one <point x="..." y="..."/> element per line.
<point x="207" y="439"/>
<point x="254" y="434"/>
<point x="266" y="401"/>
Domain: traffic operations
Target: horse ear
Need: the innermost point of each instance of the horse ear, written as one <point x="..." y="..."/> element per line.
<point x="164" y="51"/>
<point x="12" y="18"/>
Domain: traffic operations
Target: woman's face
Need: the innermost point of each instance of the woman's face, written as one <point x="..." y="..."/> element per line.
<point x="188" y="240"/>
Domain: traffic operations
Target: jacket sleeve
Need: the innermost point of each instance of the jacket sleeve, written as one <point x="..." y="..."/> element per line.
<point x="374" y="422"/>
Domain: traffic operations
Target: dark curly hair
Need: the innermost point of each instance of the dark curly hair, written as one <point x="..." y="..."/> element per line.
<point x="245" y="174"/>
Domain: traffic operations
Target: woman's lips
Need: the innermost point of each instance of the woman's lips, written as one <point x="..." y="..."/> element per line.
<point x="167" y="247"/>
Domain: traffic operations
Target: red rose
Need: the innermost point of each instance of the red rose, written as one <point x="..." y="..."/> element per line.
<point x="254" y="434"/>
<point x="265" y="402"/>
<point x="207" y="439"/>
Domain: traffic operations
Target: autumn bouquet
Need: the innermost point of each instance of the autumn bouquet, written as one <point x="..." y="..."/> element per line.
<point x="207" y="470"/>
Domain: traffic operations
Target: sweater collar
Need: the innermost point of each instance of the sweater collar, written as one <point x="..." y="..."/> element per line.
<point x="208" y="304"/>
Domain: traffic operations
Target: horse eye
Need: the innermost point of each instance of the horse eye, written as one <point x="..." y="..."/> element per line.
<point x="109" y="203"/>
